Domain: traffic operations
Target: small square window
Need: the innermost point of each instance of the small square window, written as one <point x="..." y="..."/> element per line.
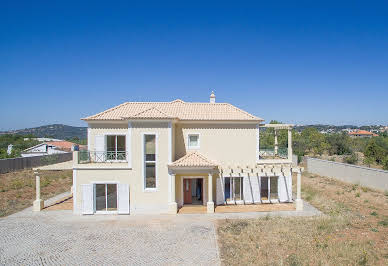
<point x="193" y="141"/>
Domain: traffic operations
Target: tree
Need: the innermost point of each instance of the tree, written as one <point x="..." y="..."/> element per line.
<point x="374" y="151"/>
<point x="338" y="144"/>
<point x="315" y="141"/>
<point x="385" y="163"/>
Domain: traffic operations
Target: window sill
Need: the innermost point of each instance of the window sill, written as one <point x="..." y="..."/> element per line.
<point x="150" y="190"/>
<point x="106" y="212"/>
<point x="193" y="148"/>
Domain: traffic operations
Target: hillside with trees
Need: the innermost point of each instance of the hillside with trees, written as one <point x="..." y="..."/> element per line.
<point x="57" y="131"/>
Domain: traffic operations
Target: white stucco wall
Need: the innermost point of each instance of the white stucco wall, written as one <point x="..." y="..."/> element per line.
<point x="369" y="177"/>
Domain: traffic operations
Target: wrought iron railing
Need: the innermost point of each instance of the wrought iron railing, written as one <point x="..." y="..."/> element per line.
<point x="102" y="156"/>
<point x="270" y="153"/>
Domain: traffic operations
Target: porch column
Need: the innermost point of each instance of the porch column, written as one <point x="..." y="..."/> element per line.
<point x="299" y="201"/>
<point x="172" y="205"/>
<point x="210" y="202"/>
<point x="38" y="204"/>
<point x="289" y="145"/>
<point x="276" y="142"/>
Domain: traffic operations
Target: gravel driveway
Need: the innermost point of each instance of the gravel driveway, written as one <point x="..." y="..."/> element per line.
<point x="59" y="237"/>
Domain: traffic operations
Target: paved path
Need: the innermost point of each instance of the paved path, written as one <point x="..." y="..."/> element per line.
<point x="61" y="238"/>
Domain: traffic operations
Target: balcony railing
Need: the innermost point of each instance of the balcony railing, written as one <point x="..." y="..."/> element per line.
<point x="102" y="156"/>
<point x="270" y="153"/>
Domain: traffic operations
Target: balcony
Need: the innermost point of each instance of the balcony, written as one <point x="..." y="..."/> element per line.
<point x="275" y="143"/>
<point x="272" y="153"/>
<point x="85" y="157"/>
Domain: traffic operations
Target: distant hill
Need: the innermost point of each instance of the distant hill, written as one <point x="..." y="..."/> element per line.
<point x="57" y="131"/>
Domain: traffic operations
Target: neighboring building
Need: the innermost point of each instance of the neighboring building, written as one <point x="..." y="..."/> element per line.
<point x="362" y="134"/>
<point x="154" y="157"/>
<point x="51" y="147"/>
<point x="42" y="139"/>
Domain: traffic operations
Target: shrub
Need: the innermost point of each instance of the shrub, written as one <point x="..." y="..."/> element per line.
<point x="364" y="189"/>
<point x="385" y="163"/>
<point x="383" y="222"/>
<point x="351" y="159"/>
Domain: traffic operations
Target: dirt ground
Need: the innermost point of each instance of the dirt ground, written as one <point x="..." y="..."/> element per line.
<point x="353" y="231"/>
<point x="17" y="189"/>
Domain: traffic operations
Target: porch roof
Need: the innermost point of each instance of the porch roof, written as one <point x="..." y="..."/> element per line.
<point x="193" y="160"/>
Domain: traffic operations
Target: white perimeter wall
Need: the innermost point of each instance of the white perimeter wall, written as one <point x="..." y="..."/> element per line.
<point x="369" y="177"/>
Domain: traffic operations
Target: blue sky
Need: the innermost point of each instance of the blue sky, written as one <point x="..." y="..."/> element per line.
<point x="299" y="62"/>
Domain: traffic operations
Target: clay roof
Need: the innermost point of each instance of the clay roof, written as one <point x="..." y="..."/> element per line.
<point x="363" y="132"/>
<point x="150" y="113"/>
<point x="193" y="159"/>
<point x="177" y="109"/>
<point x="62" y="145"/>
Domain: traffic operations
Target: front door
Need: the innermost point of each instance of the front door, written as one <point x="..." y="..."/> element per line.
<point x="187" y="191"/>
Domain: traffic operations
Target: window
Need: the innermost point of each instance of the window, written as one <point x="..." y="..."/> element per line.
<point x="233" y="189"/>
<point x="150" y="161"/>
<point x="227" y="189"/>
<point x="193" y="141"/>
<point x="273" y="190"/>
<point x="106" y="197"/>
<point x="115" y="147"/>
<point x="264" y="188"/>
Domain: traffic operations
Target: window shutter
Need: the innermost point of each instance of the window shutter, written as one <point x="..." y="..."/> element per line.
<point x="99" y="144"/>
<point x="87" y="199"/>
<point x="123" y="193"/>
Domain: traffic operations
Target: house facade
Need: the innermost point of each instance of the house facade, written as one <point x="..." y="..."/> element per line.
<point x="154" y="157"/>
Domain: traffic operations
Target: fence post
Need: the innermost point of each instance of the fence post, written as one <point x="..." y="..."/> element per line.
<point x="299" y="201"/>
<point x="38" y="203"/>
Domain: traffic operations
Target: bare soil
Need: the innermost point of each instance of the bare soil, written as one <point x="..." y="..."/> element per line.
<point x="17" y="189"/>
<point x="353" y="231"/>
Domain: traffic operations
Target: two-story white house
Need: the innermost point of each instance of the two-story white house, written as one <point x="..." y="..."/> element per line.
<point x="154" y="157"/>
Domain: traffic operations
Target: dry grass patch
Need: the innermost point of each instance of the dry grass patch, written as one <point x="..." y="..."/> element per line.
<point x="354" y="230"/>
<point x="17" y="189"/>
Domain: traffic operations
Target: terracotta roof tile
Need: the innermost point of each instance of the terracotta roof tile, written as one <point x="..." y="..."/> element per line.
<point x="193" y="159"/>
<point x="362" y="132"/>
<point x="62" y="145"/>
<point x="176" y="109"/>
<point x="151" y="113"/>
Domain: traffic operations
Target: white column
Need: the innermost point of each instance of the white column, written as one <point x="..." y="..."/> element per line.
<point x="299" y="201"/>
<point x="210" y="203"/>
<point x="172" y="205"/>
<point x="75" y="157"/>
<point x="289" y="145"/>
<point x="38" y="204"/>
<point x="276" y="142"/>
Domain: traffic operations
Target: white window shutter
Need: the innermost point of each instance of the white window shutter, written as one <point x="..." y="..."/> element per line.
<point x="123" y="193"/>
<point x="87" y="199"/>
<point x="99" y="143"/>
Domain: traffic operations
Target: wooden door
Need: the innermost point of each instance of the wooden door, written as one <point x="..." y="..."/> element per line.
<point x="187" y="191"/>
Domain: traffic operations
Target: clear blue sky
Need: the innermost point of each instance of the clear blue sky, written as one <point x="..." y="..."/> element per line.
<point x="302" y="63"/>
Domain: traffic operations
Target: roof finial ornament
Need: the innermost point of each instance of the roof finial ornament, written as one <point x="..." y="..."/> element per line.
<point x="212" y="97"/>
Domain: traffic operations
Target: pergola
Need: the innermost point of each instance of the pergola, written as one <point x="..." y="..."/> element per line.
<point x="267" y="170"/>
<point x="277" y="127"/>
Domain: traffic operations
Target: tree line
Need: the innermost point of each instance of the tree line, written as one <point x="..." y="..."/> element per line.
<point x="311" y="142"/>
